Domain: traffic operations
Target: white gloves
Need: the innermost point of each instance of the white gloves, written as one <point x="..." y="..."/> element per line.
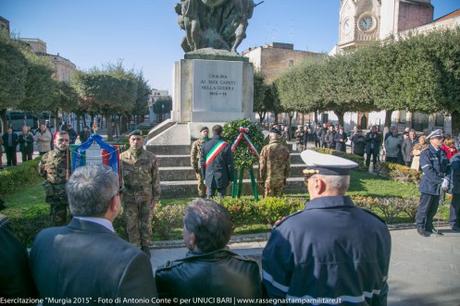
<point x="445" y="184"/>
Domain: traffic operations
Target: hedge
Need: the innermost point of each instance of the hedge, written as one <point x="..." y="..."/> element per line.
<point x="15" y="178"/>
<point x="167" y="222"/>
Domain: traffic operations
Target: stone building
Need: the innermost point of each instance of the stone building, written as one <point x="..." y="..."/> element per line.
<point x="362" y="21"/>
<point x="4" y="24"/>
<point x="154" y="97"/>
<point x="63" y="68"/>
<point x="275" y="58"/>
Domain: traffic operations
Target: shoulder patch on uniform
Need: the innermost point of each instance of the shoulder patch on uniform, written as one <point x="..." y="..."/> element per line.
<point x="373" y="214"/>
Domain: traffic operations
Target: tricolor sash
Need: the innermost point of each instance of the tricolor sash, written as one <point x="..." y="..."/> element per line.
<point x="216" y="149"/>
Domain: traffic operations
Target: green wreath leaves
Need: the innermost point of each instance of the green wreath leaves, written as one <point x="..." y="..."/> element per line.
<point x="242" y="157"/>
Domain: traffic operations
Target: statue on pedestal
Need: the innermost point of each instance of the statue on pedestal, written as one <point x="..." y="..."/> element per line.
<point x="217" y="24"/>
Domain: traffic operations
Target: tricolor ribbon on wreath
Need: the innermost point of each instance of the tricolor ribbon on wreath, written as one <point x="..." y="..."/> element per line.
<point x="237" y="186"/>
<point x="244" y="135"/>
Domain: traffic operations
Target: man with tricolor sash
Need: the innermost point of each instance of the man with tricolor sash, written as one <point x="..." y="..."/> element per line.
<point x="216" y="163"/>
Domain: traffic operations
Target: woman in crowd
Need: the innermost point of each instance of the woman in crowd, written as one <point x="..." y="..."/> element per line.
<point x="418" y="148"/>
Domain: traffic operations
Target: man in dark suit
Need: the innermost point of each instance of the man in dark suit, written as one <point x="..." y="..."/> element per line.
<point x="10" y="142"/>
<point x="15" y="278"/>
<point x="216" y="163"/>
<point x="86" y="258"/>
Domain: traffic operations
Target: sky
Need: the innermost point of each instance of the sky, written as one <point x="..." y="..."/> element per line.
<point x="144" y="33"/>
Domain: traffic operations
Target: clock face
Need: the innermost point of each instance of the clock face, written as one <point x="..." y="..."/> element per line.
<point x="366" y="23"/>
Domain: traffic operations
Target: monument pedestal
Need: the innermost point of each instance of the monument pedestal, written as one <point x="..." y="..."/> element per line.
<point x="210" y="87"/>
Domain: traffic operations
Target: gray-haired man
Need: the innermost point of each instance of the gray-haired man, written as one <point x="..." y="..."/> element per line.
<point x="86" y="258"/>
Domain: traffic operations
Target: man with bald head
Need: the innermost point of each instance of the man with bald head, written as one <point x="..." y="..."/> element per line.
<point x="332" y="252"/>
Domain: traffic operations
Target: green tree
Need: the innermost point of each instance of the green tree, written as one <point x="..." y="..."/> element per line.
<point x="108" y="91"/>
<point x="13" y="76"/>
<point x="162" y="106"/>
<point x="260" y="90"/>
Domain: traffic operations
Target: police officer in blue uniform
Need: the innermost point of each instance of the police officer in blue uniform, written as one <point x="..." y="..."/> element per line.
<point x="434" y="164"/>
<point x="332" y="252"/>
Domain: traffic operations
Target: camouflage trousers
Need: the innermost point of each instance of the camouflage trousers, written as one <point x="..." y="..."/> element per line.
<point x="138" y="214"/>
<point x="201" y="186"/>
<point x="274" y="189"/>
<point x="57" y="199"/>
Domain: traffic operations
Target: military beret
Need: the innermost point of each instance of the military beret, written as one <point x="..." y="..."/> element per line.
<point x="326" y="164"/>
<point x="435" y="134"/>
<point x="135" y="133"/>
<point x="275" y="130"/>
<point x="204" y="128"/>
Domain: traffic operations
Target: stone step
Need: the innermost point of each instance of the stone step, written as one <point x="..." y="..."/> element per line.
<point x="158" y="129"/>
<point x="187" y="173"/>
<point x="188" y="188"/>
<point x="168" y="150"/>
<point x="183" y="160"/>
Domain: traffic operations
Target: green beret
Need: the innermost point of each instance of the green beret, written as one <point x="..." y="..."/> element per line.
<point x="135" y="133"/>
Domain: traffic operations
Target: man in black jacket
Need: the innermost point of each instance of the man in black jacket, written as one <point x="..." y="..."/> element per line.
<point x="15" y="277"/>
<point x="10" y="142"/>
<point x="26" y="143"/>
<point x="216" y="163"/>
<point x="209" y="269"/>
<point x="86" y="259"/>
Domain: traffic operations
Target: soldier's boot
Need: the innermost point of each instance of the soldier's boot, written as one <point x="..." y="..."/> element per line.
<point x="58" y="215"/>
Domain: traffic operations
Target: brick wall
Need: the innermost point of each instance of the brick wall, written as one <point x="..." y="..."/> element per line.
<point x="275" y="61"/>
<point x="413" y="15"/>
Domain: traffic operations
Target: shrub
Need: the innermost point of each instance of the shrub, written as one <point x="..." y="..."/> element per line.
<point x="356" y="158"/>
<point x="166" y="218"/>
<point x="15" y="178"/>
<point x="398" y="172"/>
<point x="271" y="209"/>
<point x="27" y="222"/>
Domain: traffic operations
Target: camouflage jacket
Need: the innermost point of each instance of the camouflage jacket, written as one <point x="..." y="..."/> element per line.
<point x="196" y="153"/>
<point x="140" y="173"/>
<point x="54" y="167"/>
<point x="274" y="162"/>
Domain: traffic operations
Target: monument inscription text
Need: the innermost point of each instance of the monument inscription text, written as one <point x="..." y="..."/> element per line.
<point x="217" y="86"/>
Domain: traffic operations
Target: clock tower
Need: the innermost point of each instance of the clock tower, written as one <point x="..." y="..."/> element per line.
<point x="362" y="21"/>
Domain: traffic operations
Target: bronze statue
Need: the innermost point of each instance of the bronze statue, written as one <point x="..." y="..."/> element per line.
<point x="217" y="24"/>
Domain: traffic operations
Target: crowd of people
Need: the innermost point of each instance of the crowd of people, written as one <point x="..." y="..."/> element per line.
<point x="309" y="258"/>
<point x="395" y="147"/>
<point x="85" y="259"/>
<point x="38" y="140"/>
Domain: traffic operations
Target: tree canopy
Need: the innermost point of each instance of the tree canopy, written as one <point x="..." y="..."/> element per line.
<point x="418" y="73"/>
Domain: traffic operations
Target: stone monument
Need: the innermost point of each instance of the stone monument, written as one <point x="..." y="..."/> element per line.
<point x="212" y="84"/>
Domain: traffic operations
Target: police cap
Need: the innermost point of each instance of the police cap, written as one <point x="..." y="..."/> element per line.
<point x="326" y="164"/>
<point x="435" y="134"/>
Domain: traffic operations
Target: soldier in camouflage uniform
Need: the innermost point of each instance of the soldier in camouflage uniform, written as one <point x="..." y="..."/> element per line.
<point x="195" y="160"/>
<point x="54" y="167"/>
<point x="299" y="133"/>
<point x="142" y="190"/>
<point x="274" y="165"/>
